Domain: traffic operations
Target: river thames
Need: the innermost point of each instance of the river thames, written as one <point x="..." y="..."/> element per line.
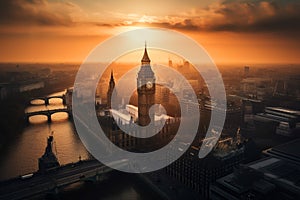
<point x="21" y="156"/>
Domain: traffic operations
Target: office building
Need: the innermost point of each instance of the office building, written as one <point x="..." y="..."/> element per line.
<point x="276" y="176"/>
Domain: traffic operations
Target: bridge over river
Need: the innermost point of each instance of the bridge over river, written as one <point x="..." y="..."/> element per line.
<point x="47" y="113"/>
<point x="39" y="184"/>
<point x="46" y="99"/>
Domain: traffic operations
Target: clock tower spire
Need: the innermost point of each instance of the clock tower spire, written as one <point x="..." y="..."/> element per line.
<point x="110" y="89"/>
<point x="146" y="90"/>
<point x="145" y="60"/>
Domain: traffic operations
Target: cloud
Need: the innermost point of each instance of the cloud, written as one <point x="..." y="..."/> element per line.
<point x="257" y="16"/>
<point x="36" y="12"/>
<point x="224" y="15"/>
<point x="185" y="24"/>
<point x="235" y="16"/>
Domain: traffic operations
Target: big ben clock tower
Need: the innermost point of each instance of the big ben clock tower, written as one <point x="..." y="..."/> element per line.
<point x="146" y="91"/>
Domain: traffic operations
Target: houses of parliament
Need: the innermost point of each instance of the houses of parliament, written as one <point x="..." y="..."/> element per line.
<point x="140" y="114"/>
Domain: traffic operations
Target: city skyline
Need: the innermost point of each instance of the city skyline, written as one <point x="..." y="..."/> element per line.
<point x="142" y="99"/>
<point x="66" y="31"/>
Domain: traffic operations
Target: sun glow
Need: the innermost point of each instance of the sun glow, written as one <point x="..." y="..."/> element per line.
<point x="147" y="19"/>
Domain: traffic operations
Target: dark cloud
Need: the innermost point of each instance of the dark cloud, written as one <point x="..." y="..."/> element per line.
<point x="241" y="16"/>
<point x="37" y="12"/>
<point x="227" y="15"/>
<point x="258" y="16"/>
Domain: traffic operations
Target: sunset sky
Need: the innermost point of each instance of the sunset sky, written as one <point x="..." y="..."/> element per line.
<point x="232" y="31"/>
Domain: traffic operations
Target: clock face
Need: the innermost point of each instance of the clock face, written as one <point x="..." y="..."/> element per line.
<point x="149" y="84"/>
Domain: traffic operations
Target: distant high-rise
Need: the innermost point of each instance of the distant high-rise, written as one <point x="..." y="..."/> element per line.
<point x="110" y="89"/>
<point x="246" y="71"/>
<point x="280" y="88"/>
<point x="170" y="63"/>
<point x="146" y="91"/>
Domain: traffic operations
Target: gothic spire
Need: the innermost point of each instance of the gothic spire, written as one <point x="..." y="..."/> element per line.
<point x="111" y="75"/>
<point x="145" y="59"/>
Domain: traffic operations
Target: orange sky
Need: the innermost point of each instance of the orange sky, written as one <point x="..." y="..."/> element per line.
<point x="232" y="31"/>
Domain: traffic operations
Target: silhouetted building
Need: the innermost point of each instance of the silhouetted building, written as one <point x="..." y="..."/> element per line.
<point x="288" y="151"/>
<point x="280" y="88"/>
<point x="8" y="90"/>
<point x="233" y="114"/>
<point x="197" y="173"/>
<point x="246" y="71"/>
<point x="256" y="88"/>
<point x="273" y="177"/>
<point x="277" y="120"/>
<point x="68" y="97"/>
<point x="251" y="107"/>
<point x="111" y="88"/>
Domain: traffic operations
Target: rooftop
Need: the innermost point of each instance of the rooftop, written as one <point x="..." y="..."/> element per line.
<point x="269" y="176"/>
<point x="288" y="151"/>
<point x="284" y="110"/>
